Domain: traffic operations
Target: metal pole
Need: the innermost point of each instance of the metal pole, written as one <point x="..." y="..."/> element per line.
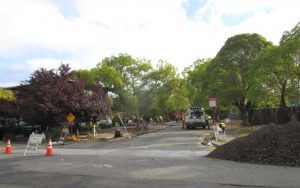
<point x="123" y="125"/>
<point x="94" y="131"/>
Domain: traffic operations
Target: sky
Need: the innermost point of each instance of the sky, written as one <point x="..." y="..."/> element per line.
<point x="46" y="33"/>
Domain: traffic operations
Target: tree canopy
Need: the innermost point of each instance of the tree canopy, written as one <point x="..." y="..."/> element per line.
<point x="49" y="95"/>
<point x="230" y="70"/>
<point x="248" y="71"/>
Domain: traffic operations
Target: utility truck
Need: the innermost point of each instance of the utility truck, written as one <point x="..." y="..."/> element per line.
<point x="195" y="117"/>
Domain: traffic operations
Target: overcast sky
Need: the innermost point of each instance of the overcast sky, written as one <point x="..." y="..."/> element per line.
<point x="46" y="33"/>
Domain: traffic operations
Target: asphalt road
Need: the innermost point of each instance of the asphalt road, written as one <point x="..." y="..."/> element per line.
<point x="168" y="158"/>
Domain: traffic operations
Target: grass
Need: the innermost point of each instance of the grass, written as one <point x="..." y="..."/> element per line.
<point x="211" y="148"/>
<point x="222" y="139"/>
<point x="245" y="131"/>
<point x="235" y="130"/>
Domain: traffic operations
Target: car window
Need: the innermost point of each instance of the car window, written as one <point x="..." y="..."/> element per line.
<point x="196" y="114"/>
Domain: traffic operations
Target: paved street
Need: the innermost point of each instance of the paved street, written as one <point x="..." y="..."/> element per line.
<point x="168" y="158"/>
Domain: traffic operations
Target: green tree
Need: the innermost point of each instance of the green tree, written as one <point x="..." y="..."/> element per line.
<point x="126" y="70"/>
<point x="197" y="82"/>
<point x="7" y="95"/>
<point x="292" y="37"/>
<point x="274" y="73"/>
<point x="8" y="104"/>
<point x="170" y="93"/>
<point x="84" y="75"/>
<point x="230" y="71"/>
<point x="275" y="70"/>
<point x="126" y="77"/>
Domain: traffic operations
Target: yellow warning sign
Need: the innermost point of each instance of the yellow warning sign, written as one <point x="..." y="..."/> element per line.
<point x="70" y="117"/>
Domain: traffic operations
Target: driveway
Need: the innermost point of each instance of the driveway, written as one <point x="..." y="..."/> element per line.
<point x="168" y="158"/>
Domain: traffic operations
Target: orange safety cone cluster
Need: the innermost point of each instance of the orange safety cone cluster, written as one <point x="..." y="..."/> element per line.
<point x="8" y="147"/>
<point x="49" y="148"/>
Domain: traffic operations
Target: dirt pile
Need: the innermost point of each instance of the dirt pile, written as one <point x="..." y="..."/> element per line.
<point x="273" y="145"/>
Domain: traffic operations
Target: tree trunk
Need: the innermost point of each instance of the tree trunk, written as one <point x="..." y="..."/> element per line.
<point x="138" y="122"/>
<point x="244" y="116"/>
<point x="243" y="108"/>
<point x="282" y="95"/>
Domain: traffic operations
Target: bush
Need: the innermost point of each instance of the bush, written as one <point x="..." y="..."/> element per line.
<point x="116" y="119"/>
<point x="98" y="128"/>
<point x="84" y="128"/>
<point x="88" y="128"/>
<point x="53" y="133"/>
<point x="103" y="126"/>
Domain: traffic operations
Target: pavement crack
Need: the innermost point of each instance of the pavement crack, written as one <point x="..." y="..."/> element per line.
<point x="243" y="185"/>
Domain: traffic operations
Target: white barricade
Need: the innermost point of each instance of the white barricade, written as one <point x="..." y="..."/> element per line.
<point x="34" y="141"/>
<point x="216" y="130"/>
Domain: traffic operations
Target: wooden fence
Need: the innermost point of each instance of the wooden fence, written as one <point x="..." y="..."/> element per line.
<point x="271" y="115"/>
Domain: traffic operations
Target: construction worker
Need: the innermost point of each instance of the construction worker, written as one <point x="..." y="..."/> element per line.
<point x="222" y="125"/>
<point x="176" y="117"/>
<point x="183" y="119"/>
<point x="206" y="121"/>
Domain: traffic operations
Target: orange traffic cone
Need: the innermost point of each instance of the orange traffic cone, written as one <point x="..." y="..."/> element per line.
<point x="49" y="148"/>
<point x="8" y="147"/>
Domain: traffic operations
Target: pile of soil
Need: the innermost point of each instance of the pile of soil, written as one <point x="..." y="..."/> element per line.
<point x="272" y="145"/>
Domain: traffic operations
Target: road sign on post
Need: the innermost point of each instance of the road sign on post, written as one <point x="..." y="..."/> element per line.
<point x="70" y="117"/>
<point x="212" y="102"/>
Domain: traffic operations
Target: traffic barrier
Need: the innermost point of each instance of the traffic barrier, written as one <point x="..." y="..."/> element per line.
<point x="49" y="149"/>
<point x="8" y="147"/>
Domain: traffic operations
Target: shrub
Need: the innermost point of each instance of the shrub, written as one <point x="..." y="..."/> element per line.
<point x="53" y="133"/>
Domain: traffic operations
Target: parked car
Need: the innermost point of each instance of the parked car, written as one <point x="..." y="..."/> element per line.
<point x="105" y="123"/>
<point x="26" y="129"/>
<point x="195" y="117"/>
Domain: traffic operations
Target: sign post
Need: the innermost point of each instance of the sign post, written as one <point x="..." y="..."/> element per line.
<point x="70" y="118"/>
<point x="123" y="126"/>
<point x="212" y="104"/>
<point x="94" y="131"/>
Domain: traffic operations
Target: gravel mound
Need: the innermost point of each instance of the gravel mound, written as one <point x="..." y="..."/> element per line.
<point x="271" y="145"/>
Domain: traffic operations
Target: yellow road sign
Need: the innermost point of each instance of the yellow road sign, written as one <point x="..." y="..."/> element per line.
<point x="70" y="117"/>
